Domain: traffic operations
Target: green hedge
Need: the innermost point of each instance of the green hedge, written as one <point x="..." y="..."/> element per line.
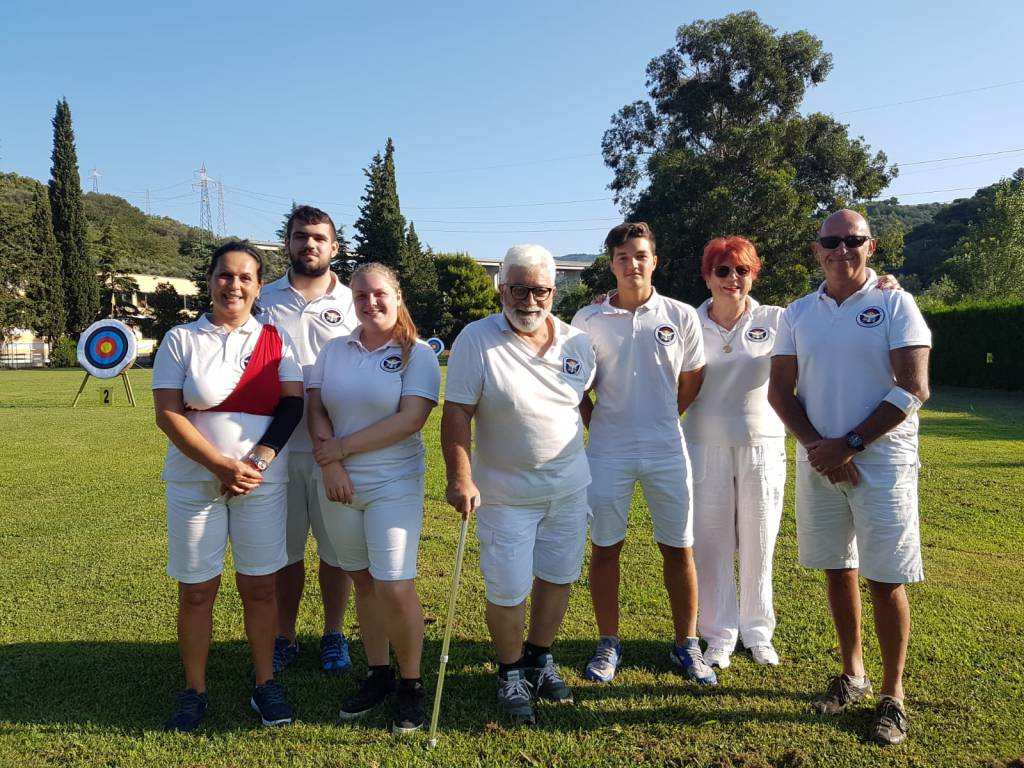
<point x="978" y="345"/>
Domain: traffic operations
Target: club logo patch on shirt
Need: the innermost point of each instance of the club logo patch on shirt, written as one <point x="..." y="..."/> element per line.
<point x="571" y="365"/>
<point x="665" y="334"/>
<point x="391" y="364"/>
<point x="331" y="316"/>
<point x="757" y="334"/>
<point x="245" y="361"/>
<point x="870" y="317"/>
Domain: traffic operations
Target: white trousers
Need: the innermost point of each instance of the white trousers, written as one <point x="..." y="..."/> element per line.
<point x="737" y="494"/>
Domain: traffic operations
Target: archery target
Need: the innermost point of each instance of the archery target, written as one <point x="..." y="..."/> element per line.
<point x="436" y="344"/>
<point x="106" y="348"/>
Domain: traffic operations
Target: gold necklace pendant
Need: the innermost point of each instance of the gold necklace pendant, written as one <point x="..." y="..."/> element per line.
<point x="727" y="349"/>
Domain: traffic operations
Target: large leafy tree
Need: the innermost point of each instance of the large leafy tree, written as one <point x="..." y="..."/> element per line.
<point x="419" y="282"/>
<point x="81" y="289"/>
<point x="721" y="148"/>
<point x="380" y="228"/>
<point x="467" y="293"/>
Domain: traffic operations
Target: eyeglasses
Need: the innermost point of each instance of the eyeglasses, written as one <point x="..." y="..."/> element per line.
<point x="520" y="292"/>
<point x="851" y="241"/>
<point x="724" y="270"/>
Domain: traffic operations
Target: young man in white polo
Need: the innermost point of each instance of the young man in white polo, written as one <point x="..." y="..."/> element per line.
<point x="849" y="372"/>
<point x="313" y="306"/>
<point x="650" y="359"/>
<point x="520" y="375"/>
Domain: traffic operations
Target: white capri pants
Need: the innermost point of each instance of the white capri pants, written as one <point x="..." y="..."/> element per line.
<point x="379" y="530"/>
<point x="519" y="542"/>
<point x="738" y="495"/>
<point x="304" y="510"/>
<point x="872" y="526"/>
<point x="200" y="523"/>
<point x="665" y="482"/>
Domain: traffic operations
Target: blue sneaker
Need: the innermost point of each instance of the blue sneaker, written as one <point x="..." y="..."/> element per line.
<point x="690" y="661"/>
<point x="605" y="661"/>
<point x="269" y="701"/>
<point x="285" y="653"/>
<point x="188" y="713"/>
<point x="334" y="656"/>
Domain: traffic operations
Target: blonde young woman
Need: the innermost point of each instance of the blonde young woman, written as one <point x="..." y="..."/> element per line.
<point x="369" y="395"/>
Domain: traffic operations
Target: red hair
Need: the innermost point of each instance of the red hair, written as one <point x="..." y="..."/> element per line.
<point x="721" y="249"/>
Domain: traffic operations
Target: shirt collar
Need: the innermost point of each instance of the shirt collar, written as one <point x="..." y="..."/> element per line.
<point x="869" y="284"/>
<point x="205" y="325"/>
<point x="284" y="283"/>
<point x="652" y="304"/>
<point x="355" y="339"/>
<point x="705" y="319"/>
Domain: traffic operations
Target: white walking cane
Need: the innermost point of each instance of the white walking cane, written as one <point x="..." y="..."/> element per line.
<point x="459" y="552"/>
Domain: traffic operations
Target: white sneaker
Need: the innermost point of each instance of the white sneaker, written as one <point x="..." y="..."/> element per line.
<point x="717" y="657"/>
<point x="764" y="654"/>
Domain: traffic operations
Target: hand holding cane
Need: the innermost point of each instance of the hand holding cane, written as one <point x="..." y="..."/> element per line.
<point x="449" y="621"/>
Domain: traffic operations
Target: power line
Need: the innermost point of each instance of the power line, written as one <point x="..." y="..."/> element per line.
<point x="931" y="98"/>
<point x="962" y="157"/>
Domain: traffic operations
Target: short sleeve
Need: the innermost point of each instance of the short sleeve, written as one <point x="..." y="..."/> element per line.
<point x="316" y="376"/>
<point x="907" y="327"/>
<point x="579" y="320"/>
<point x="785" y="343"/>
<point x="422" y="375"/>
<point x="465" y="383"/>
<point x="288" y="369"/>
<point x="170" y="366"/>
<point x="693" y="341"/>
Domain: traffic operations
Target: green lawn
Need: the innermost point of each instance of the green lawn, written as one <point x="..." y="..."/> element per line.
<point x="89" y="669"/>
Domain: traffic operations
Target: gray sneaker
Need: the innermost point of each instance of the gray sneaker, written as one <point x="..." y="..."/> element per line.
<point x="890" y="726"/>
<point x="514" y="697"/>
<point x="547" y="681"/>
<point x="840" y="694"/>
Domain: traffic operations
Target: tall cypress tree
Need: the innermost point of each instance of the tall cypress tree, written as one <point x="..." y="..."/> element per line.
<point x="49" y="290"/>
<point x="419" y="282"/>
<point x="81" y="288"/>
<point x="380" y="228"/>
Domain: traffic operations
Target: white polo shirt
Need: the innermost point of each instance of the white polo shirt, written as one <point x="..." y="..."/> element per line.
<point x="842" y="353"/>
<point x="732" y="406"/>
<point x="311" y="324"/>
<point x="639" y="358"/>
<point x="529" y="433"/>
<point x="359" y="388"/>
<point x="206" y="362"/>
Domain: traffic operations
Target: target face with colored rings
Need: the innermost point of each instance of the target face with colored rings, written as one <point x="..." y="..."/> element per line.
<point x="106" y="348"/>
<point x="436" y="344"/>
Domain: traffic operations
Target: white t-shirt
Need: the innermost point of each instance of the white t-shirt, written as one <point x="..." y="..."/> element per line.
<point x="528" y="446"/>
<point x="206" y="362"/>
<point x="639" y="358"/>
<point x="359" y="388"/>
<point x="311" y="324"/>
<point x="842" y="354"/>
<point x="732" y="408"/>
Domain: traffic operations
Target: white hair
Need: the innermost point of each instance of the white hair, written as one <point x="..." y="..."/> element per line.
<point x="530" y="257"/>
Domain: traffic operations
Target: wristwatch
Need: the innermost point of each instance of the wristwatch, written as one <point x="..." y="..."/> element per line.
<point x="256" y="461"/>
<point x="855" y="441"/>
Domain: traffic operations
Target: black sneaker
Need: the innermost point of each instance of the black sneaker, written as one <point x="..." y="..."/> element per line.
<point x="514" y="697"/>
<point x="840" y="694"/>
<point x="375" y="690"/>
<point x="269" y="701"/>
<point x="188" y="713"/>
<point x="890" y="726"/>
<point x="547" y="682"/>
<point x="285" y="652"/>
<point x="409" y="712"/>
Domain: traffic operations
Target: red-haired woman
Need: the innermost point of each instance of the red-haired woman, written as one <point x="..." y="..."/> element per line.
<point x="369" y="395"/>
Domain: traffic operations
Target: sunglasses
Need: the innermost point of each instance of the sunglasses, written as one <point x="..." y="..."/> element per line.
<point x="520" y="292"/>
<point x="851" y="241"/>
<point x="724" y="270"/>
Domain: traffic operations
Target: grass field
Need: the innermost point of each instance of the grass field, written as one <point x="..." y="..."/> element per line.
<point x="89" y="668"/>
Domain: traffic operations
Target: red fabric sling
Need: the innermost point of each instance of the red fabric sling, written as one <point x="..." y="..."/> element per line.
<point x="259" y="389"/>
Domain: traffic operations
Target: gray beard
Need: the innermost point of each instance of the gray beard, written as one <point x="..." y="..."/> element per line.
<point x="510" y="315"/>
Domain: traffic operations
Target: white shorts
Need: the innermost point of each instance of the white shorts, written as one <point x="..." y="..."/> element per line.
<point x="520" y="542"/>
<point x="200" y="522"/>
<point x="304" y="510"/>
<point x="379" y="530"/>
<point x="872" y="526"/>
<point x="668" y="491"/>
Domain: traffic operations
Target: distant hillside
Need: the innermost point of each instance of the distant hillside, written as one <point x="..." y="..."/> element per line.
<point x="584" y="257"/>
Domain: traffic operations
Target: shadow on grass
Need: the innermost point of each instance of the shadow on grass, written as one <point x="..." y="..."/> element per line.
<point x="131" y="687"/>
<point x="974" y="414"/>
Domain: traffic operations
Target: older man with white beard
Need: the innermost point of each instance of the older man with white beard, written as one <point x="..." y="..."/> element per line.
<point x="520" y="374"/>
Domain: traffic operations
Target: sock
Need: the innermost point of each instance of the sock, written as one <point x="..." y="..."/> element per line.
<point x="613" y="638"/>
<point x="857" y="680"/>
<point x="532" y="653"/>
<point x="504" y="669"/>
<point x="409" y="682"/>
<point x="380" y="670"/>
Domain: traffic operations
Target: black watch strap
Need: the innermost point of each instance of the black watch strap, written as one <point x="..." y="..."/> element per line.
<point x="855" y="441"/>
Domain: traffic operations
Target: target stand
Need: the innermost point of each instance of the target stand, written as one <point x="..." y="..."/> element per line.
<point x="107" y="349"/>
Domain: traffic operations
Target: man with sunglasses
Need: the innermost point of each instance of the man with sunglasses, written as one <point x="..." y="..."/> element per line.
<point x="520" y="375"/>
<point x="849" y="372"/>
<point x="650" y="361"/>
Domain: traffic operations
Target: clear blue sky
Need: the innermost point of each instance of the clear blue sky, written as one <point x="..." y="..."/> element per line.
<point x="490" y="105"/>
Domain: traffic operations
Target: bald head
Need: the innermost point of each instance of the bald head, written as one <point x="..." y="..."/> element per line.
<point x="845" y="222"/>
